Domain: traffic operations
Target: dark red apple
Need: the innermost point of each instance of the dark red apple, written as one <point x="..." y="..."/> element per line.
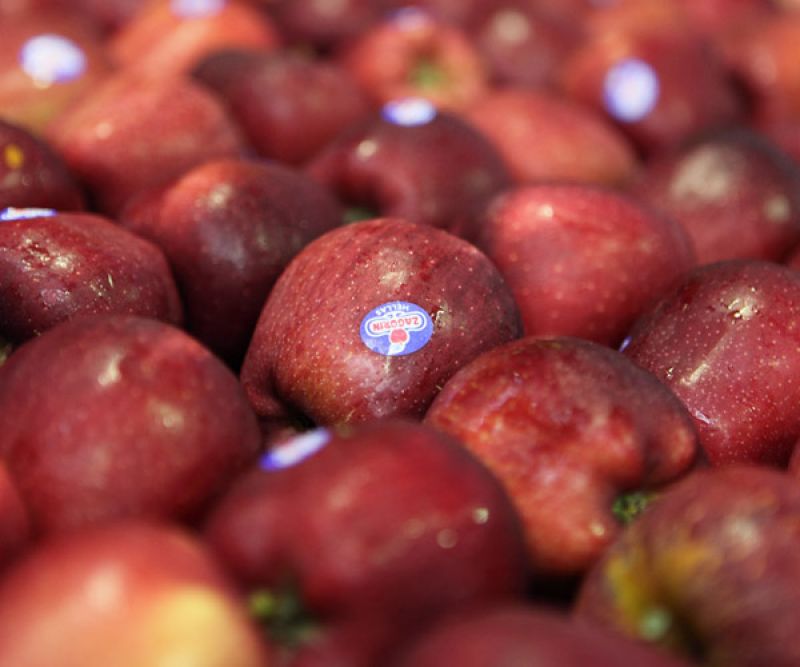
<point x="411" y="54"/>
<point x="725" y="341"/>
<point x="414" y="162"/>
<point x="128" y="594"/>
<point x="371" y="319"/>
<point x="544" y="136"/>
<point x="379" y="528"/>
<point x="734" y="192"/>
<point x="169" y="37"/>
<point x="131" y="134"/>
<point x="55" y="267"/>
<point x="574" y="430"/>
<point x="112" y="416"/>
<point x="517" y="635"/>
<point x="581" y="260"/>
<point x="288" y="105"/>
<point x="228" y="229"/>
<point x="33" y="174"/>
<point x="709" y="571"/>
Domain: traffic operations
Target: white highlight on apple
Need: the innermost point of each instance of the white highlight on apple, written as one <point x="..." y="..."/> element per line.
<point x="295" y="450"/>
<point x="631" y="90"/>
<point x="409" y="112"/>
<point x="11" y="213"/>
<point x="196" y="8"/>
<point x="50" y="59"/>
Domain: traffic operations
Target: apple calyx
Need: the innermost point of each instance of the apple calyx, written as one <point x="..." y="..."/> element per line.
<point x="427" y="75"/>
<point x="281" y="613"/>
<point x="628" y="506"/>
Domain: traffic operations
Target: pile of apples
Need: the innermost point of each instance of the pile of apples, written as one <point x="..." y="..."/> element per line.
<point x="371" y="333"/>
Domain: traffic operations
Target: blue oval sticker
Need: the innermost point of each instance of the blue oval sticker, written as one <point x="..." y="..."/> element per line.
<point x="295" y="450"/>
<point x="396" y="328"/>
<point x="12" y="213"/>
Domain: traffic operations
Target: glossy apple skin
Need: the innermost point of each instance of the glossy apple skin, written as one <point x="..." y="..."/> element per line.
<point x="229" y="228"/>
<point x="408" y="171"/>
<point x="131" y="134"/>
<point x="159" y="41"/>
<point x="572" y="143"/>
<point x="510" y="635"/>
<point x="441" y="536"/>
<point x="53" y="269"/>
<point x="113" y="416"/>
<point x="33" y="174"/>
<point x="710" y="570"/>
<point x="568" y="426"/>
<point x="725" y="341"/>
<point x="582" y="260"/>
<point x="735" y="193"/>
<point x="15" y="528"/>
<point x="127" y="594"/>
<point x="288" y="105"/>
<point x="307" y="353"/>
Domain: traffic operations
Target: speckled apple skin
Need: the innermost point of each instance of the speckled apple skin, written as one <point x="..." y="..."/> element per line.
<point x="110" y="416"/>
<point x="734" y="192"/>
<point x="33" y="174"/>
<point x="307" y="354"/>
<point x="567" y="425"/>
<point x="710" y="570"/>
<point x="53" y="269"/>
<point x="512" y="636"/>
<point x="128" y="594"/>
<point x="725" y="341"/>
<point x="442" y="173"/>
<point x="582" y="260"/>
<point x="229" y="228"/>
<point x="389" y="522"/>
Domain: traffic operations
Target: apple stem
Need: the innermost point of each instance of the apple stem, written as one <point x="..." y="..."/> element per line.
<point x="628" y="506"/>
<point x="282" y="615"/>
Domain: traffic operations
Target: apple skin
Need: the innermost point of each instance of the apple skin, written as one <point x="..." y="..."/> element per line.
<point x="113" y="416"/>
<point x="15" y="528"/>
<point x="725" y="341"/>
<point x="308" y="354"/>
<point x="516" y="635"/>
<point x="582" y="260"/>
<point x="126" y="594"/>
<point x="572" y="143"/>
<point x="411" y="54"/>
<point x="229" y="228"/>
<point x="735" y="193"/>
<point x="159" y="41"/>
<point x="33" y="174"/>
<point x="288" y="105"/>
<point x="407" y="171"/>
<point x="568" y="426"/>
<point x="710" y="571"/>
<point x="132" y="134"/>
<point x="358" y="551"/>
<point x="56" y="268"/>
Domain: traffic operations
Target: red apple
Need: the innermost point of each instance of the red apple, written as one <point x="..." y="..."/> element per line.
<point x="228" y="229"/>
<point x="112" y="416"/>
<point x="127" y="594"/>
<point x="55" y="267"/>
<point x="371" y="319"/>
<point x="581" y="260"/>
<point x="725" y="341"/>
<point x="709" y="571"/>
<point x="372" y="532"/>
<point x="574" y="431"/>
<point x="131" y="134"/>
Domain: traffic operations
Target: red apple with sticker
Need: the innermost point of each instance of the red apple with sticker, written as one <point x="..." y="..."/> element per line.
<point x="575" y="484"/>
<point x="228" y="229"/>
<point x="113" y="416"/>
<point x="402" y="163"/>
<point x="368" y="534"/>
<point x="725" y="341"/>
<point x="55" y="267"/>
<point x="127" y="594"/>
<point x="583" y="260"/>
<point x="323" y="343"/>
